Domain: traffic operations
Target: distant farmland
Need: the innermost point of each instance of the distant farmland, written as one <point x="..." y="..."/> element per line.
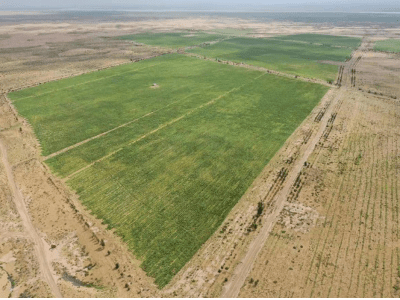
<point x="173" y="39"/>
<point x="305" y="55"/>
<point x="162" y="150"/>
<point x="308" y="55"/>
<point x="389" y="45"/>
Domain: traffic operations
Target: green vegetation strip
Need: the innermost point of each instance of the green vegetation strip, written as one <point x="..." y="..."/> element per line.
<point x="167" y="181"/>
<point x="322" y="39"/>
<point x="173" y="39"/>
<point x="282" y="55"/>
<point x="389" y="45"/>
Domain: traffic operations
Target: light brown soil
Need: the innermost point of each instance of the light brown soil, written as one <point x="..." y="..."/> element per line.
<point x="351" y="184"/>
<point x="81" y="251"/>
<point x="379" y="73"/>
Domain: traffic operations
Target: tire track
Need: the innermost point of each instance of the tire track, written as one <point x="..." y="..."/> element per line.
<point x="39" y="245"/>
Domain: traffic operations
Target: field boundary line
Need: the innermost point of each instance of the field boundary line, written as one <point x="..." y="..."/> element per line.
<point x="78" y="84"/>
<point x="113" y="129"/>
<point x="159" y="128"/>
<point x="257" y="68"/>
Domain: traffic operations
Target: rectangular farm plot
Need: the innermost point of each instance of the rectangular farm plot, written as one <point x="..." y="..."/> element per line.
<point x="172" y="39"/>
<point x="167" y="180"/>
<point x="389" y="45"/>
<point x="293" y="57"/>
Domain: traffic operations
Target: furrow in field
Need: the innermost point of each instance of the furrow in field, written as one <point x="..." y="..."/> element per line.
<point x="330" y="219"/>
<point x="317" y="256"/>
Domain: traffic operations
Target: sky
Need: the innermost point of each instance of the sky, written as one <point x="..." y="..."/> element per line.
<point x="220" y="5"/>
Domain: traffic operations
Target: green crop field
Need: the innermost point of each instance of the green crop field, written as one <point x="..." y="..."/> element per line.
<point x="286" y="56"/>
<point x="322" y="39"/>
<point x="175" y="157"/>
<point x="172" y="39"/>
<point x="389" y="45"/>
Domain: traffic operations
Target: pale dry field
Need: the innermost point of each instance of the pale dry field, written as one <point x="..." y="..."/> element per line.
<point x="332" y="230"/>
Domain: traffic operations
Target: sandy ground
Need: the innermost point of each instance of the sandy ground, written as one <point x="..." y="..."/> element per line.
<point x="306" y="250"/>
<point x="351" y="186"/>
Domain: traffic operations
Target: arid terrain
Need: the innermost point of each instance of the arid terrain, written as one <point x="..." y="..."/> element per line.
<point x="330" y="225"/>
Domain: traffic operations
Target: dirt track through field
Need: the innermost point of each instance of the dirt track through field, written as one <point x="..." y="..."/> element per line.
<point x="113" y="129"/>
<point x="44" y="263"/>
<point x="233" y="287"/>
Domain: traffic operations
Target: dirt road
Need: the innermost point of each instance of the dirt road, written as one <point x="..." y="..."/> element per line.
<point x="41" y="253"/>
<point x="232" y="288"/>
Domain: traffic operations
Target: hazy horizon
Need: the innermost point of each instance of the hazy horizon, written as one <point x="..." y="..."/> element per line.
<point x="218" y="5"/>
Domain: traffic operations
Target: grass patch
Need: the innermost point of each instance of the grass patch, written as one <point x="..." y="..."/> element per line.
<point x="389" y="45"/>
<point x="166" y="191"/>
<point x="172" y="39"/>
<point x="285" y="56"/>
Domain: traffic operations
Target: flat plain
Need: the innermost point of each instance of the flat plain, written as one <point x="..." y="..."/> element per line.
<point x="187" y="150"/>
<point x="337" y="234"/>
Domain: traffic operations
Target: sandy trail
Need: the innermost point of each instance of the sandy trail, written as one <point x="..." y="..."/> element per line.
<point x="44" y="263"/>
<point x="233" y="287"/>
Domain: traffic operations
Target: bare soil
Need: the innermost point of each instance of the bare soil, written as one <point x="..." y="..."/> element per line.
<point x="336" y="228"/>
<point x="351" y="184"/>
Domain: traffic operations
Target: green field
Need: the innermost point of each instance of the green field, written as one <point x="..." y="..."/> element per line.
<point x="281" y="55"/>
<point x="322" y="39"/>
<point x="172" y="39"/>
<point x="389" y="45"/>
<point x="190" y="149"/>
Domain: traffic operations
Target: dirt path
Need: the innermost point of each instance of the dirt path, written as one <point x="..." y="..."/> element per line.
<point x="232" y="288"/>
<point x="44" y="263"/>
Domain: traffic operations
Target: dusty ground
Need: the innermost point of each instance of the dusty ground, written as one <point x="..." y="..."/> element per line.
<point x="353" y="172"/>
<point x="348" y="192"/>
